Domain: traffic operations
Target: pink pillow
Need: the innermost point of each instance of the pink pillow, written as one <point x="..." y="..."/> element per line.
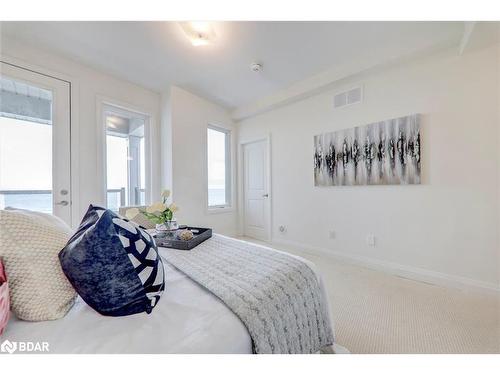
<point x="4" y="300"/>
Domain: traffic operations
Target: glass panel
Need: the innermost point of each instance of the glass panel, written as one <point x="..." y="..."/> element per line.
<point x="217" y="167"/>
<point x="125" y="152"/>
<point x="114" y="199"/>
<point x="117" y="171"/>
<point x="25" y="146"/>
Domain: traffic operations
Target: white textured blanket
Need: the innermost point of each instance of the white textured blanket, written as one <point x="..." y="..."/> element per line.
<point x="275" y="295"/>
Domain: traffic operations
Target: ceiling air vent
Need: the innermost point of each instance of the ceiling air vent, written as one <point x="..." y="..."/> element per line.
<point x="349" y="97"/>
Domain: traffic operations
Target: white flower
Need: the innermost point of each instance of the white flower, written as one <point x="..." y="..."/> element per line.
<point x="173" y="207"/>
<point x="156" y="207"/>
<point x="131" y="213"/>
<point x="165" y="194"/>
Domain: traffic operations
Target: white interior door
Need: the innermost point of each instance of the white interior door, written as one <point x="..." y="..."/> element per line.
<point x="256" y="190"/>
<point x="34" y="142"/>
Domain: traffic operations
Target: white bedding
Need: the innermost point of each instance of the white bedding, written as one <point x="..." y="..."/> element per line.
<point x="188" y="319"/>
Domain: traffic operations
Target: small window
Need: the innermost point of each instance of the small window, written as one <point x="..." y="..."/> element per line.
<point x="218" y="167"/>
<point x="125" y="158"/>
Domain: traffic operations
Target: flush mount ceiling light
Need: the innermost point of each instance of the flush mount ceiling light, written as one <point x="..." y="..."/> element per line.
<point x="199" y="33"/>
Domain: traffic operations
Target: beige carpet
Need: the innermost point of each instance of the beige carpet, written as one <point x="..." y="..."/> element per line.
<point x="375" y="312"/>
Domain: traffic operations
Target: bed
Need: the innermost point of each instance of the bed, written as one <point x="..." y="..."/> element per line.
<point x="188" y="319"/>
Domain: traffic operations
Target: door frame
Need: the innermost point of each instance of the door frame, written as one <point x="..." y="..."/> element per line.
<point x="241" y="183"/>
<point x="102" y="104"/>
<point x="74" y="98"/>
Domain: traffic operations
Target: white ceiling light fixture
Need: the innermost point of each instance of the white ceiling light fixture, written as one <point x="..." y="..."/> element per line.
<point x="199" y="33"/>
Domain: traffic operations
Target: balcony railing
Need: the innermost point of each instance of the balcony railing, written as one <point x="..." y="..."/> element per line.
<point x="36" y="200"/>
<point x="117" y="198"/>
<point x="140" y="196"/>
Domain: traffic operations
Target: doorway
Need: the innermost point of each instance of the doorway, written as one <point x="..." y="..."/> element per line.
<point x="256" y="190"/>
<point x="35" y="143"/>
<point x="127" y="161"/>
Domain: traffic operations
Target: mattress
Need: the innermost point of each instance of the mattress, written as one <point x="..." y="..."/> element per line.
<point x="188" y="319"/>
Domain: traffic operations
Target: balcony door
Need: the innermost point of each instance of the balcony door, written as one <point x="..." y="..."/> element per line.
<point x="34" y="142"/>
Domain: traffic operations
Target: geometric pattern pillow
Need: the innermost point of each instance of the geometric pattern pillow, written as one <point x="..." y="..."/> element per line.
<point x="113" y="264"/>
<point x="29" y="246"/>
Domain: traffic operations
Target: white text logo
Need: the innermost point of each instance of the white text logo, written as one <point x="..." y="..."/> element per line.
<point x="24" y="346"/>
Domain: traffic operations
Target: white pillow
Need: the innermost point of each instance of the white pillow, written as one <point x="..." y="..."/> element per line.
<point x="29" y="246"/>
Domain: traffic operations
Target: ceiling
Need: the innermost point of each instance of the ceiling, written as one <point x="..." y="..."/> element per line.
<point x="157" y="54"/>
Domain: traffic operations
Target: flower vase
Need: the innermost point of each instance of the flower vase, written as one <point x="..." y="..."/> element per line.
<point x="167" y="229"/>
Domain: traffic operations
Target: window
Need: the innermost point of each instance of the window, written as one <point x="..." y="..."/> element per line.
<point x="125" y="158"/>
<point x="218" y="167"/>
<point x="25" y="146"/>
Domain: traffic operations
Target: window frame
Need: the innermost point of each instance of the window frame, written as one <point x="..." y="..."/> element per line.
<point x="228" y="206"/>
<point x="107" y="106"/>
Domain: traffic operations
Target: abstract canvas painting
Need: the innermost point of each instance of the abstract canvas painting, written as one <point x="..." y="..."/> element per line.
<point x="381" y="153"/>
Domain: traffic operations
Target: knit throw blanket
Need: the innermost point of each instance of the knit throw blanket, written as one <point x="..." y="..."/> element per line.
<point x="275" y="295"/>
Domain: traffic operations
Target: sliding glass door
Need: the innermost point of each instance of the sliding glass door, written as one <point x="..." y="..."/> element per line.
<point x="34" y="142"/>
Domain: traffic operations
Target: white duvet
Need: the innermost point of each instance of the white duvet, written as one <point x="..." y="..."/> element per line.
<point x="187" y="319"/>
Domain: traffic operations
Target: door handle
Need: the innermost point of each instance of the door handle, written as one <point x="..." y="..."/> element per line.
<point x="265" y="195"/>
<point x="62" y="203"/>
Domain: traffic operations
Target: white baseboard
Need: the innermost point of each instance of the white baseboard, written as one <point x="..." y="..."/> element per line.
<point x="409" y="272"/>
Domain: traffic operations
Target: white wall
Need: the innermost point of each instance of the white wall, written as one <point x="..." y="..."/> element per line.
<point x="185" y="125"/>
<point x="89" y="86"/>
<point x="447" y="226"/>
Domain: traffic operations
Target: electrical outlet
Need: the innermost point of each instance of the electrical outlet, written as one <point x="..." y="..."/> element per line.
<point x="331" y="234"/>
<point x="370" y="240"/>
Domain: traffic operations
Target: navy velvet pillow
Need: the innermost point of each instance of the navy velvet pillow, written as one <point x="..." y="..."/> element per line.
<point x="113" y="264"/>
